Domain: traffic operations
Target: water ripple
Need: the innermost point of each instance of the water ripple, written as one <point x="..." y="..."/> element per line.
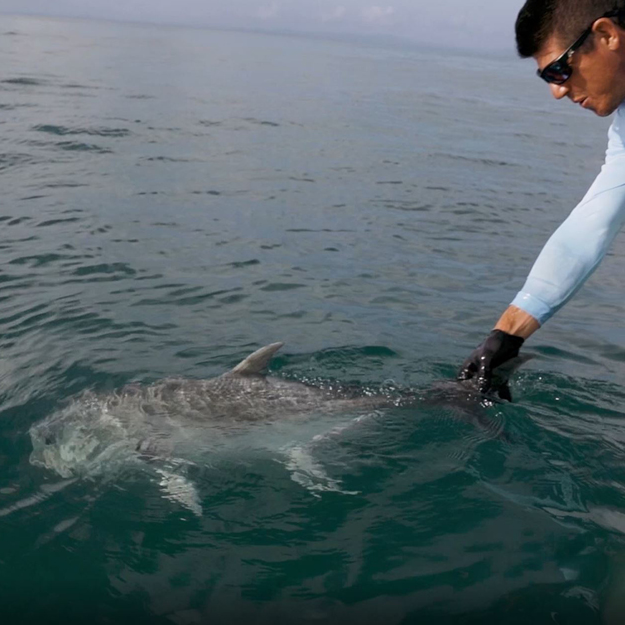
<point x="24" y="81"/>
<point x="94" y="131"/>
<point x="377" y="234"/>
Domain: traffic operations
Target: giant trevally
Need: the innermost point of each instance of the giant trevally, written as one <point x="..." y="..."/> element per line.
<point x="157" y="424"/>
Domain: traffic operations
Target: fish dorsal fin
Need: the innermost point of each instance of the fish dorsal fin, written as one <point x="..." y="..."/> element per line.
<point x="257" y="362"/>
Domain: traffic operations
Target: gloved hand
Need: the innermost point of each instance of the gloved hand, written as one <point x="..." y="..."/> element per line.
<point x="499" y="347"/>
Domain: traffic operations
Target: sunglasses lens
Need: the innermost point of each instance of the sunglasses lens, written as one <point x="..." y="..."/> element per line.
<point x="556" y="73"/>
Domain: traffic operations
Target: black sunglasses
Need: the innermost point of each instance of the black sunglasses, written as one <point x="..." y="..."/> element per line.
<point x="559" y="71"/>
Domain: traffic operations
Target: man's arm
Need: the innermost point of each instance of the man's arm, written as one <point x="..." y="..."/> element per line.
<point x="576" y="248"/>
<point x="517" y="322"/>
<point x="568" y="259"/>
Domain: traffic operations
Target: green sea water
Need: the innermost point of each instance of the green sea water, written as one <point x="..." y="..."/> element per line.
<point x="172" y="199"/>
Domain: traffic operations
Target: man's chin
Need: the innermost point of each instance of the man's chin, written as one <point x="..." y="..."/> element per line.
<point x="604" y="111"/>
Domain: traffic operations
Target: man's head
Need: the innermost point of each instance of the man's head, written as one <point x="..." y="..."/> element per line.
<point x="546" y="29"/>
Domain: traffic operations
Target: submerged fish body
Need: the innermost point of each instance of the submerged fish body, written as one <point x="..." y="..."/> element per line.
<point x="154" y="424"/>
<point x="148" y="420"/>
<point x="161" y="425"/>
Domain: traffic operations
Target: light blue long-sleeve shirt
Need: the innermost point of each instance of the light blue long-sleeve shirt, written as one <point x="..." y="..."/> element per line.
<point x="578" y="246"/>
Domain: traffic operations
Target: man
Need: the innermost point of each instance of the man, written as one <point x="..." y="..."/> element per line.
<point x="579" y="46"/>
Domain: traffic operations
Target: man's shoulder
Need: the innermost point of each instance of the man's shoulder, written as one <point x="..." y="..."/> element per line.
<point x="616" y="132"/>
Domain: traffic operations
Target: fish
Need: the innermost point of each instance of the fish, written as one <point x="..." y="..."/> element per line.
<point x="156" y="425"/>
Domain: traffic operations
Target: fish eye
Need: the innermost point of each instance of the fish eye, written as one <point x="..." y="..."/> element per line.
<point x="48" y="440"/>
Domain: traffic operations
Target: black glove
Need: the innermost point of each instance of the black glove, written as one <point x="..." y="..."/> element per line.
<point x="499" y="347"/>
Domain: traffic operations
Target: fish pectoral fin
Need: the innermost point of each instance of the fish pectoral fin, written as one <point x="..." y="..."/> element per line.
<point x="178" y="488"/>
<point x="309" y="474"/>
<point x="257" y="362"/>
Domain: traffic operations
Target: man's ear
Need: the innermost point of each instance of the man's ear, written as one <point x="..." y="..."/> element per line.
<point x="608" y="32"/>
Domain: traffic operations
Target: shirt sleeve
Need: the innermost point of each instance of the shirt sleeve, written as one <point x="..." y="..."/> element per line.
<point x="577" y="247"/>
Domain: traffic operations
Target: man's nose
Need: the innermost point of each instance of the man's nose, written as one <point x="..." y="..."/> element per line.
<point x="559" y="91"/>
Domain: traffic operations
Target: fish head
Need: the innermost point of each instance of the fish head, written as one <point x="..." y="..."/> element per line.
<point x="65" y="450"/>
<point x="75" y="442"/>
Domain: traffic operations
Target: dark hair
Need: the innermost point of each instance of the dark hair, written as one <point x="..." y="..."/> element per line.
<point x="539" y="19"/>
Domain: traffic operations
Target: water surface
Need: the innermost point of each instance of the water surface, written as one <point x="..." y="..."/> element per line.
<point x="173" y="199"/>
